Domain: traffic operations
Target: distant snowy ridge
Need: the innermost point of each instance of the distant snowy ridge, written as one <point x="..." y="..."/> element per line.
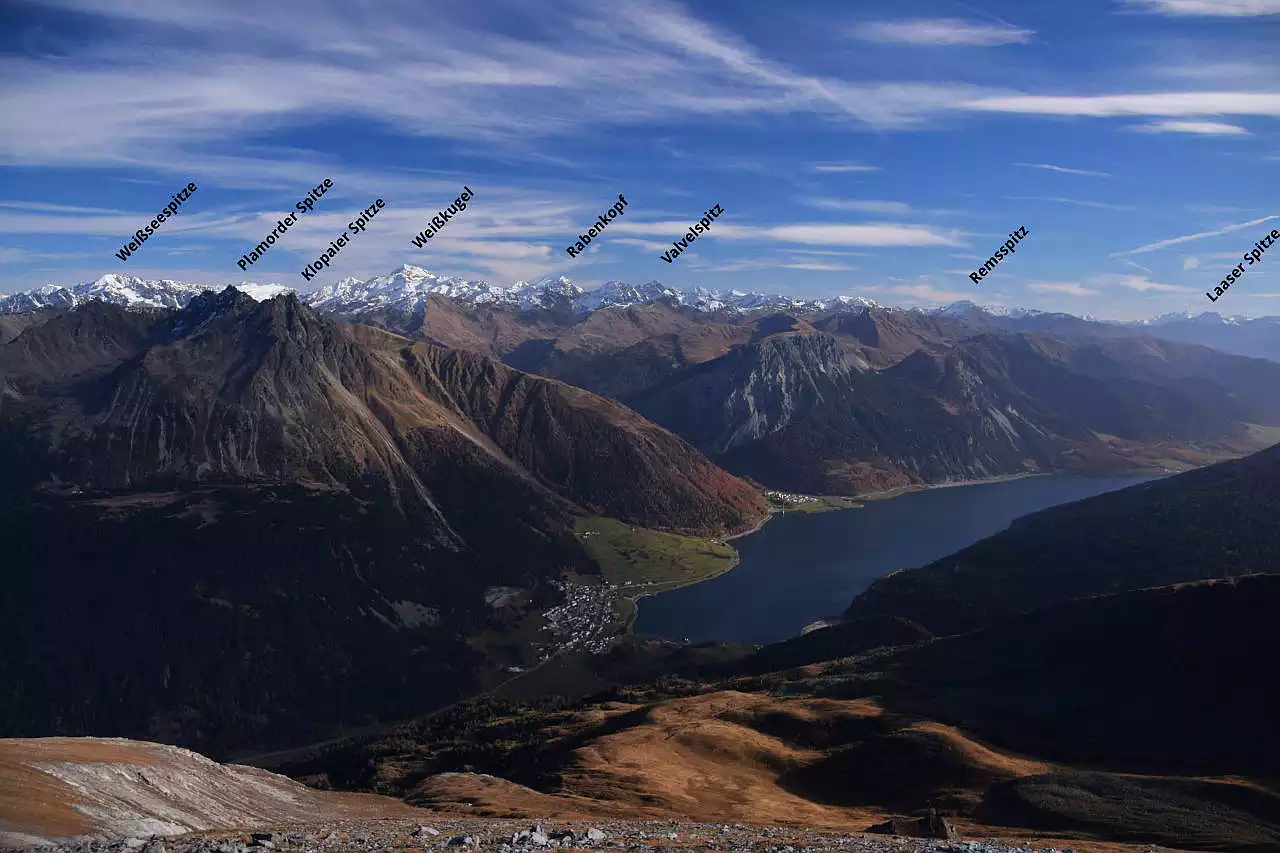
<point x="405" y="291"/>
<point x="125" y="290"/>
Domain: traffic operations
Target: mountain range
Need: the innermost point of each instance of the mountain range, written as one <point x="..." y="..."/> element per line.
<point x="833" y="396"/>
<point x="407" y="291"/>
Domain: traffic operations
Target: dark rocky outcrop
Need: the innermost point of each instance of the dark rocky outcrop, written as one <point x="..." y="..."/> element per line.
<point x="931" y="825"/>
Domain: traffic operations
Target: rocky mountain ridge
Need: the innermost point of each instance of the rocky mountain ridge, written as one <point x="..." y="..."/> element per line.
<point x="797" y="411"/>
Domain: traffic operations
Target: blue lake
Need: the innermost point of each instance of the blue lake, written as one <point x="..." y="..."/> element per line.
<point x="802" y="567"/>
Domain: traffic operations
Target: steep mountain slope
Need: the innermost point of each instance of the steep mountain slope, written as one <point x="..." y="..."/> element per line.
<point x="11" y="325"/>
<point x="246" y="524"/>
<point x="795" y="412"/>
<point x="883" y="337"/>
<point x="1215" y="522"/>
<point x="621" y="351"/>
<point x="597" y="453"/>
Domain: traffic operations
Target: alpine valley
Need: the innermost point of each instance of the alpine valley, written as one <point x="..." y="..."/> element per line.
<point x="387" y="538"/>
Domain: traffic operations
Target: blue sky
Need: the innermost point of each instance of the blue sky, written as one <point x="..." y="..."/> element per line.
<point x="882" y="149"/>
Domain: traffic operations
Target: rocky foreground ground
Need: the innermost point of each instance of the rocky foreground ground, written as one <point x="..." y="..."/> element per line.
<point x="522" y="837"/>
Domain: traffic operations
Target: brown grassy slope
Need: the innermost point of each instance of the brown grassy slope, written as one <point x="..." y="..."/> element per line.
<point x="1153" y="696"/>
<point x="612" y="329"/>
<point x="722" y="755"/>
<point x="491" y="331"/>
<point x="883" y="338"/>
<point x="727" y="756"/>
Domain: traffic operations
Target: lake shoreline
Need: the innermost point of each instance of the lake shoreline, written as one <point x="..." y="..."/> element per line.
<point x="888" y="494"/>
<point x="930" y="536"/>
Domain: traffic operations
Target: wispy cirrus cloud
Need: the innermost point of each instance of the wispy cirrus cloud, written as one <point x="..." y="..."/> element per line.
<point x="844" y="167"/>
<point x="1052" y="168"/>
<point x="1099" y="205"/>
<point x="1214" y="8"/>
<point x="1142" y="284"/>
<point x="941" y="32"/>
<point x="928" y="293"/>
<point x="622" y="63"/>
<point x="886" y="234"/>
<point x="1171" y="104"/>
<point x="647" y="245"/>
<point x="1174" y="241"/>
<point x="42" y="207"/>
<point x="626" y="63"/>
<point x="889" y="208"/>
<point x="1067" y="288"/>
<point x="1202" y="128"/>
<point x="767" y="264"/>
<point x="871" y="234"/>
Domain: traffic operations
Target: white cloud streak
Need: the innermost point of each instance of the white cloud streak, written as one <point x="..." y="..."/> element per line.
<point x="1098" y="205"/>
<point x="929" y="293"/>
<point x="1068" y="288"/>
<point x="1202" y="128"/>
<point x="887" y="208"/>
<point x="1050" y="167"/>
<point x="1142" y="284"/>
<point x="1151" y="247"/>
<point x="941" y="32"/>
<point x="1157" y="104"/>
<point x="815" y="234"/>
<point x="844" y="167"/>
<point x="1217" y="8"/>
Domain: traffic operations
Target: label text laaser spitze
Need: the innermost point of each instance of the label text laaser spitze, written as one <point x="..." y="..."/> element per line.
<point x="143" y="234"/>
<point x="1251" y="257"/>
<point x="356" y="226"/>
<point x="282" y="225"/>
